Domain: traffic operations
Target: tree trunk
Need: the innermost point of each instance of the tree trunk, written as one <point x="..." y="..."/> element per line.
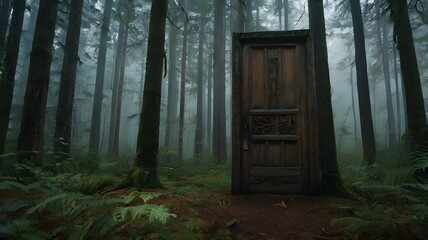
<point x="409" y="67"/>
<point x="146" y="160"/>
<point x="330" y="176"/>
<point x="30" y="141"/>
<point x="209" y="104"/>
<point x="238" y="16"/>
<point x="171" y="115"/>
<point x="7" y="76"/>
<point x="25" y="52"/>
<point x="116" y="91"/>
<point x="286" y="15"/>
<point x="257" y="25"/>
<point x="383" y="40"/>
<point x="279" y="9"/>
<point x="119" y="96"/>
<point x="183" y="85"/>
<point x="397" y="94"/>
<point x="199" y="111"/>
<point x="249" y="25"/>
<point x="366" y="120"/>
<point x="94" y="140"/>
<point x="62" y="140"/>
<point x="219" y="120"/>
<point x="4" y="22"/>
<point x="354" y="112"/>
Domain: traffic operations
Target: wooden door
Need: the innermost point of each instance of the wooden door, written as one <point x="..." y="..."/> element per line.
<point x="274" y="119"/>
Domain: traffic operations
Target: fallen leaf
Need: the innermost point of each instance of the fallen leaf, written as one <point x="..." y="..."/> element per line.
<point x="281" y="204"/>
<point x="232" y="223"/>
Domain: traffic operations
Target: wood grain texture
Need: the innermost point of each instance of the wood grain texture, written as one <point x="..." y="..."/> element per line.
<point x="274" y="119"/>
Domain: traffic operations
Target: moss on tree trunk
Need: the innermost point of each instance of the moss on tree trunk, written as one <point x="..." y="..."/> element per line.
<point x="145" y="173"/>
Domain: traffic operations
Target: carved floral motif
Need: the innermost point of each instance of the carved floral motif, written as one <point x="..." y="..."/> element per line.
<point x="274" y="124"/>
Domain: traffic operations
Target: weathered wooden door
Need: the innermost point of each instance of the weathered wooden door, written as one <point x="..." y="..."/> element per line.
<point x="274" y="118"/>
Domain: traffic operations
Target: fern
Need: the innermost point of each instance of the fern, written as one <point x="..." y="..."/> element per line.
<point x="154" y="212"/>
<point x="7" y="185"/>
<point x="406" y="172"/>
<point x="376" y="222"/>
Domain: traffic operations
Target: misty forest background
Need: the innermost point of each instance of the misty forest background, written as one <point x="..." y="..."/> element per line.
<point x="99" y="98"/>
<point x="89" y="93"/>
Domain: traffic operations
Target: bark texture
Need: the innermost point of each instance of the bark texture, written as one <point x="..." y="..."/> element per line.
<point x="219" y="119"/>
<point x="30" y="141"/>
<point x="146" y="160"/>
<point x="330" y="176"/>
<point x="8" y="70"/>
<point x="62" y="140"/>
<point x="416" y="118"/>
<point x="366" y="120"/>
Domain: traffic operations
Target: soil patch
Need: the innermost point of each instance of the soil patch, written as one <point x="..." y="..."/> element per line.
<point x="258" y="216"/>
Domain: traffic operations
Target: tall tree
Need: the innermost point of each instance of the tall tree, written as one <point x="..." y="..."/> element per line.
<point x="183" y="82"/>
<point x="286" y="15"/>
<point x="64" y="113"/>
<point x="199" y="110"/>
<point x="249" y="22"/>
<point x="25" y="52"/>
<point x="118" y="78"/>
<point x="366" y="120"/>
<point x="238" y="15"/>
<point x="30" y="140"/>
<point x="146" y="160"/>
<point x="4" y="22"/>
<point x="383" y="40"/>
<point x="219" y="120"/>
<point x="94" y="140"/>
<point x="7" y="73"/>
<point x="397" y="93"/>
<point x="209" y="105"/>
<point x="172" y="87"/>
<point x="416" y="118"/>
<point x="279" y="11"/>
<point x="330" y="176"/>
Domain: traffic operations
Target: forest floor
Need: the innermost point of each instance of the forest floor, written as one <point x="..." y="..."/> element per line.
<point x="258" y="216"/>
<point x="196" y="203"/>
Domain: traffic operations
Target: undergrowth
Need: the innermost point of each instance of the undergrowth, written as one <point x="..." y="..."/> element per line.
<point x="391" y="198"/>
<point x="75" y="198"/>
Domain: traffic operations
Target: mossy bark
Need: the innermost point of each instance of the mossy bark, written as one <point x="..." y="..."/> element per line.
<point x="146" y="160"/>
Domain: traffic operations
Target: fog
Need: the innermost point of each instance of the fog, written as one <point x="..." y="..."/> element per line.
<point x="341" y="63"/>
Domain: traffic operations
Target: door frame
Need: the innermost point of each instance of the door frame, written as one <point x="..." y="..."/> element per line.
<point x="312" y="177"/>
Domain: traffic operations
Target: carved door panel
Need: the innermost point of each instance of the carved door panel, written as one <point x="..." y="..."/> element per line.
<point x="275" y="100"/>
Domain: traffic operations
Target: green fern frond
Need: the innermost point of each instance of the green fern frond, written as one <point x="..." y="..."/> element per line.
<point x="154" y="213"/>
<point x="64" y="199"/>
